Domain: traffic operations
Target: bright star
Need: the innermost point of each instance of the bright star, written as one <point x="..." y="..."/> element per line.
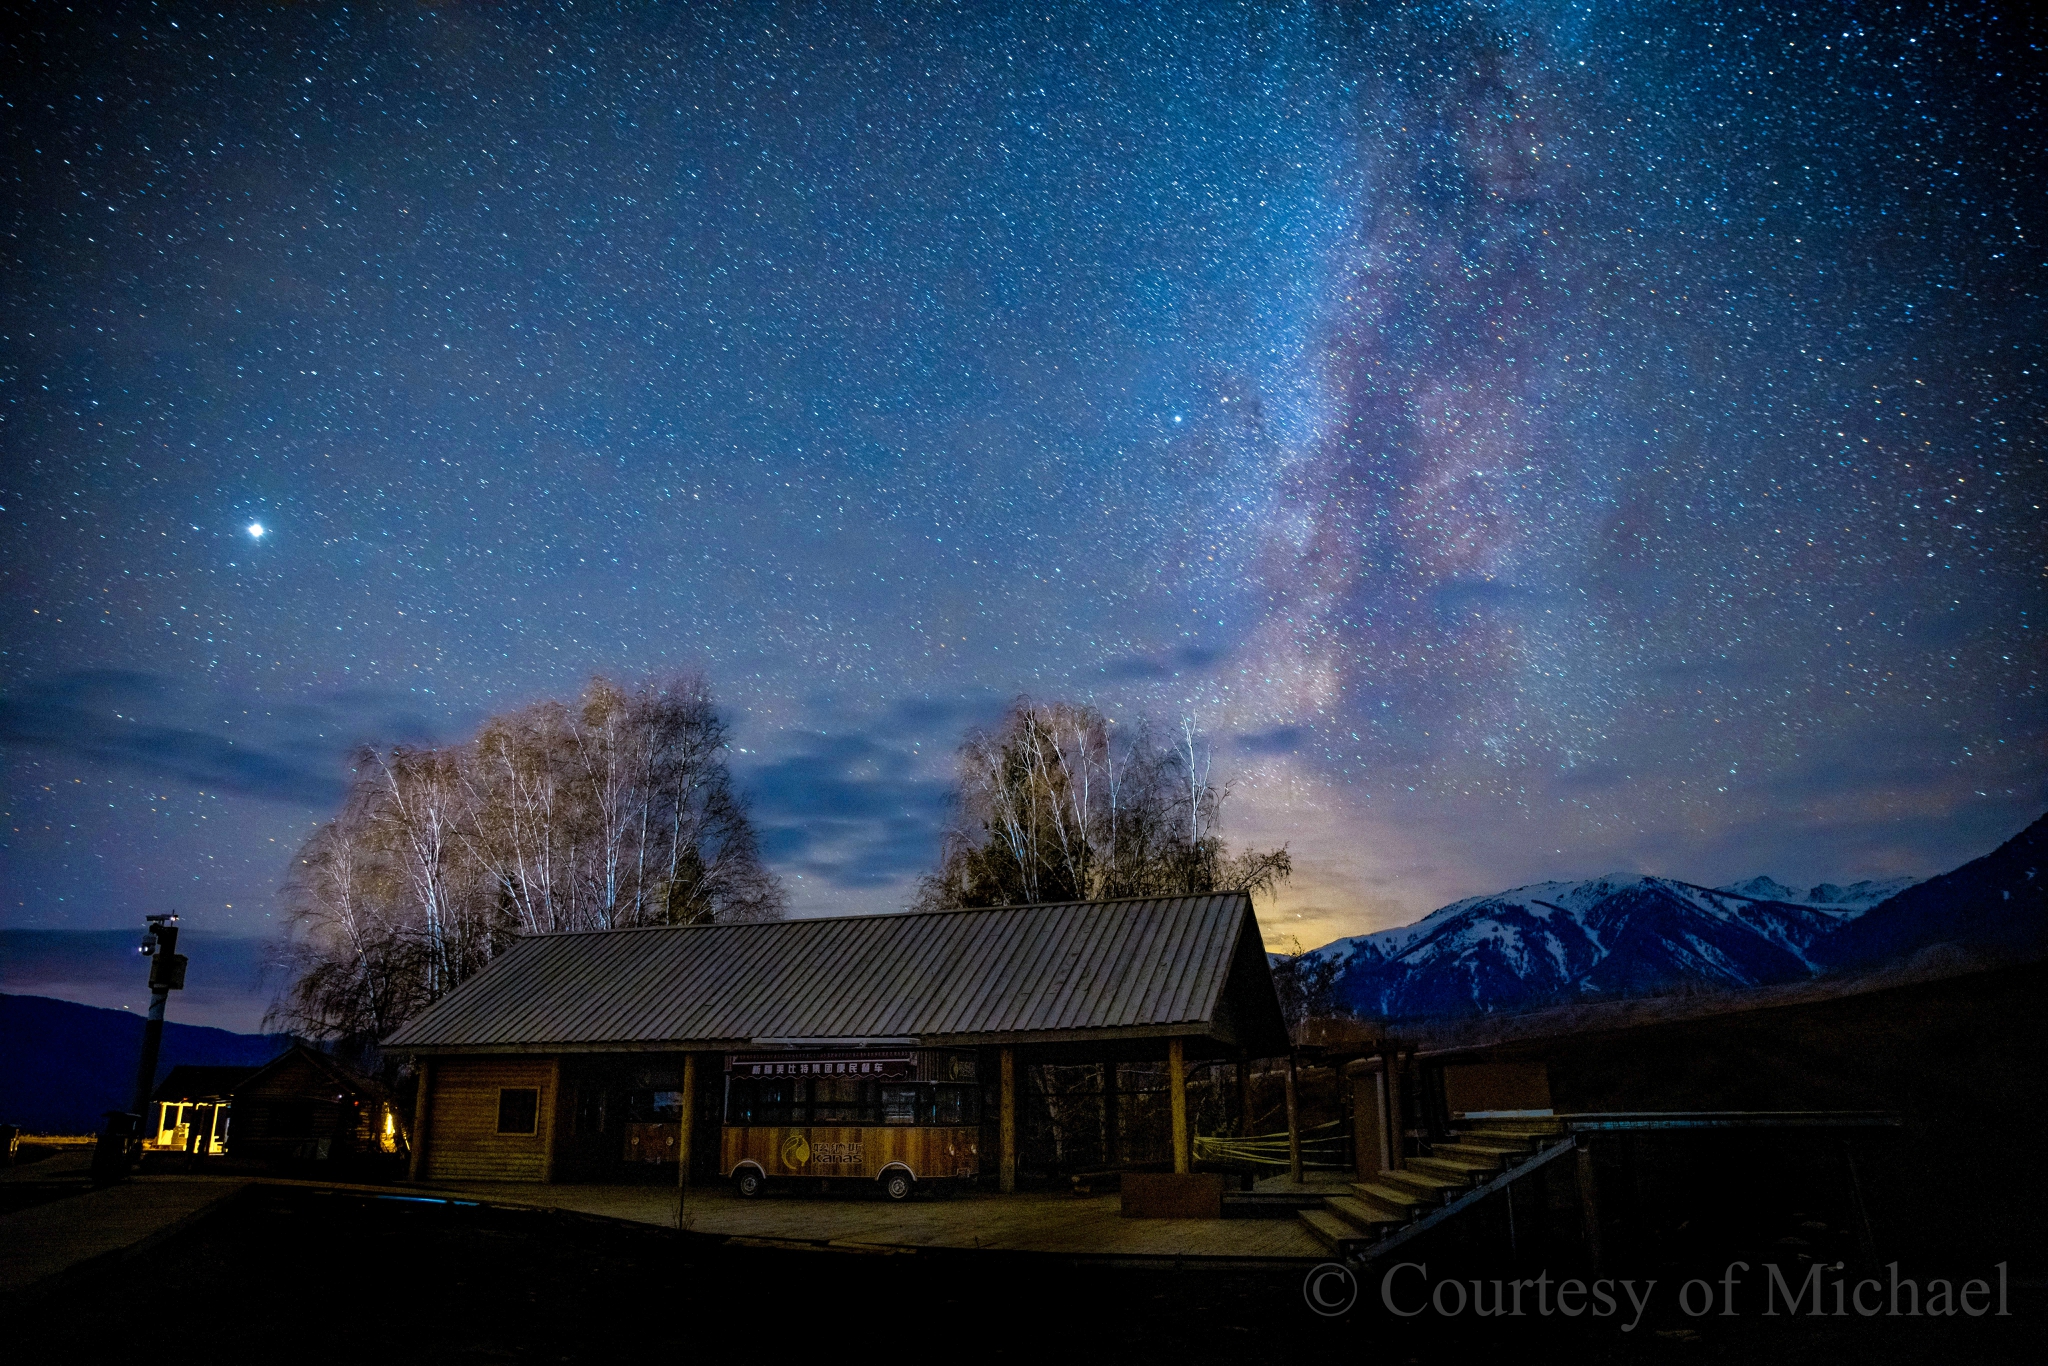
<point x="256" y="531"/>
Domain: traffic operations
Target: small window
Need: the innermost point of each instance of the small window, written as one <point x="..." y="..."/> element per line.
<point x="899" y="1105"/>
<point x="654" y="1107"/>
<point x="518" y="1109"/>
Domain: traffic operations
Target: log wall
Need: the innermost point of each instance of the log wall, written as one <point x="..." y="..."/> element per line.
<point x="463" y="1142"/>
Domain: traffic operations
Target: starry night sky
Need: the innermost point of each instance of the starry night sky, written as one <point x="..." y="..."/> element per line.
<point x="1535" y="440"/>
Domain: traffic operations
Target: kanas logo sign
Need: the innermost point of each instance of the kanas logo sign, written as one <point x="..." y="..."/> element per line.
<point x="796" y="1152"/>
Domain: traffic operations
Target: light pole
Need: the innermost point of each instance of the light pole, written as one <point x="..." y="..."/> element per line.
<point x="123" y="1133"/>
<point x="166" y="975"/>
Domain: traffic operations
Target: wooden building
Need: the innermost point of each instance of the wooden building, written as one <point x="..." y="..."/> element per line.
<point x="884" y="1048"/>
<point x="305" y="1107"/>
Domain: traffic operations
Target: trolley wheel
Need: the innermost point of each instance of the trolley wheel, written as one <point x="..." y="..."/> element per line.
<point x="897" y="1185"/>
<point x="749" y="1182"/>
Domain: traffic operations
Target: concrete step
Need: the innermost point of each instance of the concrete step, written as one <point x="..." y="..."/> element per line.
<point x="1507" y="1143"/>
<point x="1430" y="1189"/>
<point x="1511" y="1128"/>
<point x="1366" y="1214"/>
<point x="1491" y="1156"/>
<point x="1520" y="1143"/>
<point x="1390" y="1194"/>
<point x="1334" y="1233"/>
<point x="1261" y="1202"/>
<point x="1451" y="1167"/>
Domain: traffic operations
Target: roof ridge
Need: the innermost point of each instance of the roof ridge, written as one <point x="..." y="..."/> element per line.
<point x="886" y="915"/>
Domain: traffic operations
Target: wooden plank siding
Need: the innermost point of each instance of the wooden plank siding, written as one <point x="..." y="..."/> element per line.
<point x="463" y="1142"/>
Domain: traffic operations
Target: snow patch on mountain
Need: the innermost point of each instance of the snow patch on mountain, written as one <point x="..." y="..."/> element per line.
<point x="1851" y="900"/>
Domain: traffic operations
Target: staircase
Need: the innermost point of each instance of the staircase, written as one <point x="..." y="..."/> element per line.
<point x="1482" y="1149"/>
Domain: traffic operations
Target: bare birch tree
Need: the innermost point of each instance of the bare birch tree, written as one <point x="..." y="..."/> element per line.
<point x="1055" y="804"/>
<point x="355" y="971"/>
<point x="617" y="811"/>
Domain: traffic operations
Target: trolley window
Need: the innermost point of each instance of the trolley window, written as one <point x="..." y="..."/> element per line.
<point x="800" y="1101"/>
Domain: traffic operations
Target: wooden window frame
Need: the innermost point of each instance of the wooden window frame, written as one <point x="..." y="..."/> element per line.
<point x="533" y="1132"/>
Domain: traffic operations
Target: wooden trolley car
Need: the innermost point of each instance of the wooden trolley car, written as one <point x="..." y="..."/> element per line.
<point x="900" y="1118"/>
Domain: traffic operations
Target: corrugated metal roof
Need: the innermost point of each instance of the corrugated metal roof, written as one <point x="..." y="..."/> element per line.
<point x="1155" y="966"/>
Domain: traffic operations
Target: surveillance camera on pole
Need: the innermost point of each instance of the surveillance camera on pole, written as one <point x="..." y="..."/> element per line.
<point x="121" y="1138"/>
<point x="166" y="975"/>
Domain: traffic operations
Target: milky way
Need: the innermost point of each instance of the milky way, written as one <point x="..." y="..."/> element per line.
<point x="1533" y="441"/>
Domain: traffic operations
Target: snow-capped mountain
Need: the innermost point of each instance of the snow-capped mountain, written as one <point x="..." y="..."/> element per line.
<point x="1609" y="936"/>
<point x="1559" y="942"/>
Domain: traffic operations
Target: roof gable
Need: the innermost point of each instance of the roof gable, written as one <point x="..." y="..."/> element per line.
<point x="300" y="1069"/>
<point x="193" y="1081"/>
<point x="1132" y="968"/>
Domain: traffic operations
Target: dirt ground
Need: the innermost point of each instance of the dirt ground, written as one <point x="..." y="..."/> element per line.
<point x="302" y="1275"/>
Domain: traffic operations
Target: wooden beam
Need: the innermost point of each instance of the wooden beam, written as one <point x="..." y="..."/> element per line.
<point x="1244" y="1095"/>
<point x="1006" y="1151"/>
<point x="1177" y="1086"/>
<point x="422" y="1106"/>
<point x="1293" y="1125"/>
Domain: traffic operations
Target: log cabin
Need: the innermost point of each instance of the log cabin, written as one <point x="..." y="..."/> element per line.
<point x="304" y="1106"/>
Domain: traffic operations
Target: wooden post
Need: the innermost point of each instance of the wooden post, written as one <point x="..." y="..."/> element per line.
<point x="552" y="1120"/>
<point x="685" y="1123"/>
<point x="1006" y="1158"/>
<point x="422" y="1105"/>
<point x="1396" y="1111"/>
<point x="1177" y="1087"/>
<point x="688" y="1121"/>
<point x="1112" y="1116"/>
<point x="1369" y="1134"/>
<point x="1244" y="1095"/>
<point x="1293" y="1124"/>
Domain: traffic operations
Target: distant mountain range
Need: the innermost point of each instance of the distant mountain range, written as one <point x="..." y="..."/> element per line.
<point x="65" y="1064"/>
<point x="1621" y="936"/>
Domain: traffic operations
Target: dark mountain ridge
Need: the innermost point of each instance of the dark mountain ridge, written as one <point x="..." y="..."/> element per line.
<point x="65" y="1065"/>
<point x="1996" y="905"/>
